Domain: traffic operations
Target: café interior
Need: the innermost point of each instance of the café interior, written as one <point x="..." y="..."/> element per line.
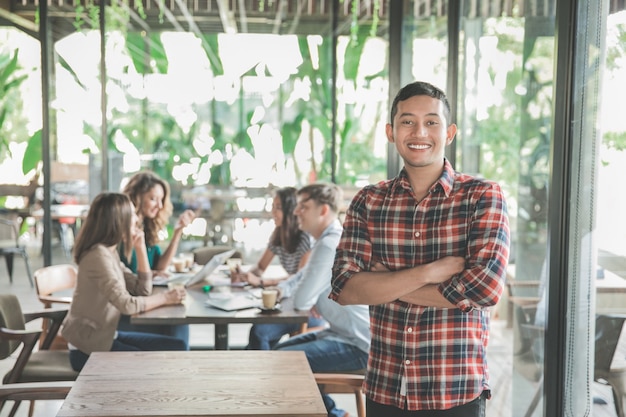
<point x="229" y="100"/>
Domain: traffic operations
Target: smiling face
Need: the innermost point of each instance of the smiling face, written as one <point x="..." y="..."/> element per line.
<point x="152" y="202"/>
<point x="420" y="132"/>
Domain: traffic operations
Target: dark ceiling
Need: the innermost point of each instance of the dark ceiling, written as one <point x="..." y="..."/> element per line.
<point x="256" y="16"/>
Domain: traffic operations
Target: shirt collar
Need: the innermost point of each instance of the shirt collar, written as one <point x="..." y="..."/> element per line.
<point x="445" y="181"/>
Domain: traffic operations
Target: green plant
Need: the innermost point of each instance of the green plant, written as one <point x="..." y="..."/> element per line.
<point x="11" y="78"/>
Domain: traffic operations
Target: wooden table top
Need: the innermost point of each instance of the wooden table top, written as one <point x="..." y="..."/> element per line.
<point x="195" y="383"/>
<point x="195" y="311"/>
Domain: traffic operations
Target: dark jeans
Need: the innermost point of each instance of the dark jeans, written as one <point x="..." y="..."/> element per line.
<point x="475" y="408"/>
<point x="132" y="341"/>
<point x="266" y="336"/>
<point x="179" y="331"/>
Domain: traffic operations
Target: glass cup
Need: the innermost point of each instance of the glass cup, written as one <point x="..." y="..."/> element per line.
<point x="179" y="264"/>
<point x="189" y="259"/>
<point x="174" y="285"/>
<point x="270" y="296"/>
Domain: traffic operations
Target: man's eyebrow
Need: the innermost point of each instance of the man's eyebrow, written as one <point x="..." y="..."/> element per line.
<point x="305" y="200"/>
<point x="426" y="115"/>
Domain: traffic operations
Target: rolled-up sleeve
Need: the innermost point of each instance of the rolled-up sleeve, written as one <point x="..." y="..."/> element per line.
<point x="481" y="284"/>
<point x="354" y="252"/>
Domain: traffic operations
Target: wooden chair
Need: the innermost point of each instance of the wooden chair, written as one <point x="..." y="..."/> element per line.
<point x="55" y="279"/>
<point x="11" y="247"/>
<point x="522" y="294"/>
<point x="31" y="391"/>
<point x="344" y="383"/>
<point x="54" y="285"/>
<point x="31" y="366"/>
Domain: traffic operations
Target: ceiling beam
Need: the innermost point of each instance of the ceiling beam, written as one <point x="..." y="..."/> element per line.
<point x="227" y="17"/>
<point x="243" y="17"/>
<point x="19" y="22"/>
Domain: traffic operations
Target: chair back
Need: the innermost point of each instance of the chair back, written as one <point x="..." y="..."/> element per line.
<point x="608" y="332"/>
<point x="9" y="233"/>
<point x="11" y="317"/>
<point x="344" y="383"/>
<point x="53" y="279"/>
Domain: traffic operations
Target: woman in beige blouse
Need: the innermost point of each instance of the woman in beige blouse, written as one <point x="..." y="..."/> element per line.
<point x="106" y="288"/>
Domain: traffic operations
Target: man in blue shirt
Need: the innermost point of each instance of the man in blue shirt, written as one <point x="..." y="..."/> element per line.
<point x="344" y="345"/>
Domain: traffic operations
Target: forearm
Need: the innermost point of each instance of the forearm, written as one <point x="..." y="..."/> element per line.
<point x="427" y="296"/>
<point x="382" y="286"/>
<point x="153" y="301"/>
<point x="143" y="264"/>
<point x="373" y="288"/>
<point x="166" y="257"/>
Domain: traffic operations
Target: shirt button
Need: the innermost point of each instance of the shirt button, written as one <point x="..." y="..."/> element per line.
<point x="408" y="362"/>
<point x="417" y="234"/>
<point x="409" y="330"/>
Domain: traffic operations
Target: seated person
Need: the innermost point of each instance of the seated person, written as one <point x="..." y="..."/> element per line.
<point x="288" y="242"/>
<point x="151" y="196"/>
<point x="104" y="285"/>
<point x="292" y="246"/>
<point x="344" y="345"/>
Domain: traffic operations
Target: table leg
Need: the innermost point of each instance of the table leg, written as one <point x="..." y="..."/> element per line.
<point x="221" y="337"/>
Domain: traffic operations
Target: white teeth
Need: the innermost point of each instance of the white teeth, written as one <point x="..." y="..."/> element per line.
<point x="418" y="146"/>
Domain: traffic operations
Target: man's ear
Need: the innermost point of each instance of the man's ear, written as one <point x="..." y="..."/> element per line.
<point x="389" y="132"/>
<point x="450" y="133"/>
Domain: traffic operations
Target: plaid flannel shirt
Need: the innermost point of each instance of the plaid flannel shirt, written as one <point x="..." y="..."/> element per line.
<point x="424" y="357"/>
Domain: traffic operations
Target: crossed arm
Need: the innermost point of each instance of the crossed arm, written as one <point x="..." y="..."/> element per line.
<point x="417" y="285"/>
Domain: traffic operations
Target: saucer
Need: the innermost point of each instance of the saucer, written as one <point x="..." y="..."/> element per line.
<point x="276" y="309"/>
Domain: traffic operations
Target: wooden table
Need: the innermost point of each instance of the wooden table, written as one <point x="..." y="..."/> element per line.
<point x="195" y="383"/>
<point x="195" y="311"/>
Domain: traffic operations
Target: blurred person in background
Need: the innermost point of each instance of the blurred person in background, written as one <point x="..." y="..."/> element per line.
<point x="106" y="289"/>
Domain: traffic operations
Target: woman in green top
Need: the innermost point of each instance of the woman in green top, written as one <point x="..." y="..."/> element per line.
<point x="151" y="196"/>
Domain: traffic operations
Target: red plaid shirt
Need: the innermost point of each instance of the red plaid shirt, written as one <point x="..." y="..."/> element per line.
<point x="440" y="353"/>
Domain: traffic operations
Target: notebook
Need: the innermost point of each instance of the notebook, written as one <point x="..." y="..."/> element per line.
<point x="191" y="279"/>
<point x="234" y="303"/>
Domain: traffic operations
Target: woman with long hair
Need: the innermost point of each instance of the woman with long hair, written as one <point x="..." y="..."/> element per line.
<point x="106" y="289"/>
<point x="150" y="195"/>
<point x="288" y="242"/>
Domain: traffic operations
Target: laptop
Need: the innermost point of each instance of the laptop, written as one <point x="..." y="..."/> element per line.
<point x="191" y="279"/>
<point x="234" y="302"/>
